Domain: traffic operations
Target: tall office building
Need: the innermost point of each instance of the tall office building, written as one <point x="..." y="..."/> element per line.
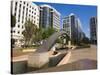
<point x="93" y="30"/>
<point x="49" y="17"/>
<point x="72" y="25"/>
<point x="23" y="11"/>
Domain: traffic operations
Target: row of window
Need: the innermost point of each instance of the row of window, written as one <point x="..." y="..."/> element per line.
<point x="16" y="3"/>
<point x="15" y="32"/>
<point x="66" y="21"/>
<point x="19" y="26"/>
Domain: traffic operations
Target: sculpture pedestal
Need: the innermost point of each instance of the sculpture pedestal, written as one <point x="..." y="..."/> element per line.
<point x="38" y="60"/>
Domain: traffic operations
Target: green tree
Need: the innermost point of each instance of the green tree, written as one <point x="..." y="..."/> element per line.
<point x="38" y="36"/>
<point x="29" y="32"/>
<point x="47" y="32"/>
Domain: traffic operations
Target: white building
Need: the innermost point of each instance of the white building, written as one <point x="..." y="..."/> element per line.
<point x="49" y="17"/>
<point x="23" y="10"/>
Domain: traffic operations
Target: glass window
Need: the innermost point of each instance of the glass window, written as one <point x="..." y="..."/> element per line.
<point x="22" y="27"/>
<point x="18" y="32"/>
<point x="24" y="2"/>
<point x="14" y="31"/>
<point x="29" y="10"/>
<point x="18" y="26"/>
<point x="15" y="8"/>
<point x="34" y="13"/>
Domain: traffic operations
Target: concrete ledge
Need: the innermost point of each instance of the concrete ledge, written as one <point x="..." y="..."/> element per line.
<point x="19" y="67"/>
<point x="55" y="59"/>
<point x="38" y="60"/>
<point x="65" y="59"/>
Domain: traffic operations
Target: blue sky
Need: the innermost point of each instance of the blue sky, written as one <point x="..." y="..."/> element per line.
<point x="83" y="12"/>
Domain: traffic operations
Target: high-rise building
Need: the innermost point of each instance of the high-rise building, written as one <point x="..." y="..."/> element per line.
<point x="72" y="25"/>
<point x="49" y="17"/>
<point x="93" y="30"/>
<point x="23" y="11"/>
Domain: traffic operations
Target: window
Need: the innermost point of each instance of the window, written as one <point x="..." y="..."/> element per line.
<point x="22" y="20"/>
<point x="23" y="13"/>
<point x="22" y="27"/>
<point x="26" y="18"/>
<point x="19" y="18"/>
<point x="24" y="2"/>
<point x="26" y="12"/>
<point x="29" y="10"/>
<point x="13" y="31"/>
<point x="32" y="16"/>
<point x="15" y="8"/>
<point x="23" y="7"/>
<point x="18" y="32"/>
<point x="19" y="13"/>
<point x="34" y="13"/>
<point x="18" y="26"/>
<point x="20" y="6"/>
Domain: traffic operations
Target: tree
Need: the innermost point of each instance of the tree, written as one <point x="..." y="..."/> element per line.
<point x="61" y="39"/>
<point x="29" y="33"/>
<point x="38" y="36"/>
<point x="13" y="21"/>
<point x="47" y="32"/>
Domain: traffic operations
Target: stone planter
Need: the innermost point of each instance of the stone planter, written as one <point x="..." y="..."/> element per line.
<point x="38" y="60"/>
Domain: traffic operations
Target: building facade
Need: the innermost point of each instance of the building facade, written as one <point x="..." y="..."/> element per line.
<point x="49" y="17"/>
<point x="93" y="30"/>
<point x="72" y="25"/>
<point x="23" y="11"/>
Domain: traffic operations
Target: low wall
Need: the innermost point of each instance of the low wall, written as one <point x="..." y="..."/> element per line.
<point x="18" y="67"/>
<point x="53" y="61"/>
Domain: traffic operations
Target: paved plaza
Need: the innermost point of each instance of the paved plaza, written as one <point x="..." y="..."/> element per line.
<point x="85" y="53"/>
<point x="81" y="59"/>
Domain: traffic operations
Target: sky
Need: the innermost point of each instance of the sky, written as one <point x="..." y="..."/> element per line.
<point x="83" y="12"/>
